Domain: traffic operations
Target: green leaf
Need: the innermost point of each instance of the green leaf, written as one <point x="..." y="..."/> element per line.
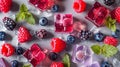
<point x="113" y="28"/>
<point x="20" y="16"/>
<point x="108" y="50"/>
<point x="23" y="8"/>
<point x="27" y="65"/>
<point x="25" y="15"/>
<point x="29" y="18"/>
<point x="111" y="24"/>
<point x="96" y="49"/>
<point x="66" y="60"/>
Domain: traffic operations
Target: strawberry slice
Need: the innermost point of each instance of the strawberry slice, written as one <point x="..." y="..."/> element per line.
<point x="7" y="50"/>
<point x="23" y="35"/>
<point x="5" y="5"/>
<point x="58" y="45"/>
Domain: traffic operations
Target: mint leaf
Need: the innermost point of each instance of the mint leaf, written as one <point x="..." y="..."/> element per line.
<point x="108" y="50"/>
<point x="96" y="49"/>
<point x="23" y="8"/>
<point x="27" y="65"/>
<point x="113" y="28"/>
<point x="25" y="15"/>
<point x="29" y="18"/>
<point x="111" y="23"/>
<point x="66" y="60"/>
<point x="20" y="16"/>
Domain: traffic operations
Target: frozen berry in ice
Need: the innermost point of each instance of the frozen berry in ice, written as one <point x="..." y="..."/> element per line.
<point x="116" y="34"/>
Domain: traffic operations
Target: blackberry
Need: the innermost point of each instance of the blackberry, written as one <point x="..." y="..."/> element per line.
<point x="85" y="35"/>
<point x="41" y="33"/>
<point x="109" y="2"/>
<point x="9" y="23"/>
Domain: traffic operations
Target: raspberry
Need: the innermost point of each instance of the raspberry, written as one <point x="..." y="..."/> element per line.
<point x="5" y="5"/>
<point x="9" y="23"/>
<point x="57" y="64"/>
<point x="23" y="35"/>
<point x="111" y="41"/>
<point x="7" y="49"/>
<point x="41" y="33"/>
<point x="116" y="14"/>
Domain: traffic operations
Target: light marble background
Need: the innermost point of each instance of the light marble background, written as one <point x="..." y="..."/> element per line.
<point x="65" y="7"/>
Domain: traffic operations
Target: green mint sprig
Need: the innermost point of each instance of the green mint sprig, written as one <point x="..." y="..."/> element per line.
<point x="66" y="60"/>
<point x="111" y="24"/>
<point x="105" y="50"/>
<point x="25" y="15"/>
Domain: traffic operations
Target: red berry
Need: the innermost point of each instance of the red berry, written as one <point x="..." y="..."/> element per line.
<point x="79" y="6"/>
<point x="7" y="50"/>
<point x="23" y="35"/>
<point x="111" y="41"/>
<point x="5" y="5"/>
<point x="58" y="45"/>
<point x="57" y="64"/>
<point x="116" y="14"/>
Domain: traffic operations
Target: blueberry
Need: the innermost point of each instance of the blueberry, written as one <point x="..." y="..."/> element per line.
<point x="15" y="63"/>
<point x="105" y="64"/>
<point x="2" y="35"/>
<point x="70" y="39"/>
<point x="116" y="34"/>
<point x="43" y="21"/>
<point x="99" y="37"/>
<point x="109" y="2"/>
<point x="55" y="8"/>
<point x="19" y="51"/>
<point x="53" y="56"/>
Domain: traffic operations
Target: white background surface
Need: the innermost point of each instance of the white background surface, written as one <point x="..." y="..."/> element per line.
<point x="66" y="7"/>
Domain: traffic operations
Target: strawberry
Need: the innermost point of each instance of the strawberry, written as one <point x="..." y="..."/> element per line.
<point x="23" y="35"/>
<point x="111" y="41"/>
<point x="7" y="50"/>
<point x="116" y="14"/>
<point x="58" y="45"/>
<point x="5" y="5"/>
<point x="57" y="64"/>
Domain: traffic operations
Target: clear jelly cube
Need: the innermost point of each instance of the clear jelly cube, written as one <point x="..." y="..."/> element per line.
<point x="98" y="14"/>
<point x="63" y="23"/>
